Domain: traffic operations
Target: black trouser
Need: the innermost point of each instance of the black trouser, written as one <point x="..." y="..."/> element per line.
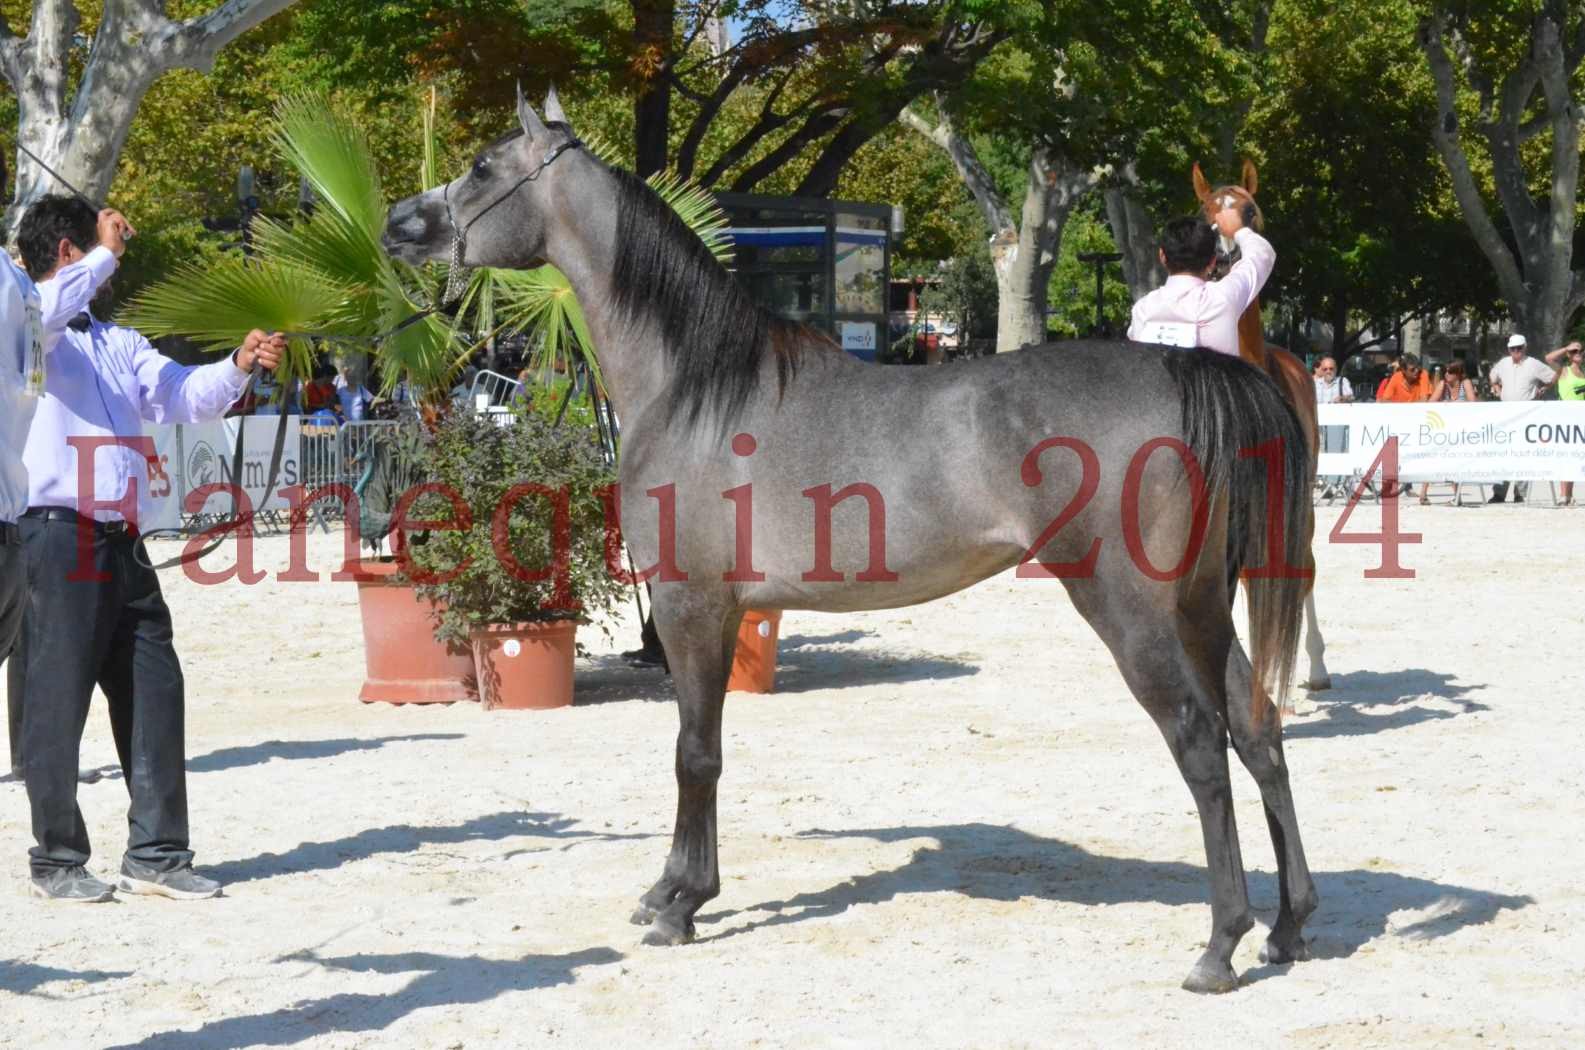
<point x="1499" y="491"/>
<point x="13" y="597"/>
<point x="117" y="634"/>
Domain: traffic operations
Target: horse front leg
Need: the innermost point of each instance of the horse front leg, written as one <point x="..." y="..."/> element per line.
<point x="699" y="648"/>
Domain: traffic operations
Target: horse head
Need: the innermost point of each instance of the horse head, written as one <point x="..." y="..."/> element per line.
<point x="1230" y="196"/>
<point x="497" y="213"/>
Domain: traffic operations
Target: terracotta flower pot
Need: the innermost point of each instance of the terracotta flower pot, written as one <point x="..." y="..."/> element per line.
<point x="525" y="666"/>
<point x="754" y="665"/>
<point x="405" y="663"/>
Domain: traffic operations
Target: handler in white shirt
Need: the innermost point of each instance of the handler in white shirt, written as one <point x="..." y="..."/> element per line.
<point x="1190" y="310"/>
<point x="31" y="322"/>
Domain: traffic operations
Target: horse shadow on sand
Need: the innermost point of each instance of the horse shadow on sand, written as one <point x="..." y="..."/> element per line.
<point x="1365" y="702"/>
<point x="440" y="980"/>
<point x="553" y="831"/>
<point x="991" y="862"/>
<point x="301" y="750"/>
<point x="804" y="663"/>
<point x="23" y="978"/>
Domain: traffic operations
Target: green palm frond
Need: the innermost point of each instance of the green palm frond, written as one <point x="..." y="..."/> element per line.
<point x="542" y="301"/>
<point x="699" y="209"/>
<point x="332" y="152"/>
<point x="218" y="305"/>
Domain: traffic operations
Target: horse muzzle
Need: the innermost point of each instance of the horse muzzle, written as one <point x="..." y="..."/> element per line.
<point x="414" y="233"/>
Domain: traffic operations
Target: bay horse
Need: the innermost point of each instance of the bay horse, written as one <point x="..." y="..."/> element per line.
<point x="1285" y="369"/>
<point x="1095" y="462"/>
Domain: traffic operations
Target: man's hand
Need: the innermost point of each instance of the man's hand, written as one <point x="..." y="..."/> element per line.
<point x="114" y="231"/>
<point x="1230" y="220"/>
<point x="261" y="348"/>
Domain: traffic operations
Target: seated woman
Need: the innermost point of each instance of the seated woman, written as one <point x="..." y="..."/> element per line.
<point x="1453" y="386"/>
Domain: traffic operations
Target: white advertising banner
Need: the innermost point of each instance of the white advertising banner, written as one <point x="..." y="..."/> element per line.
<point x="1482" y="442"/>
<point x="191" y="455"/>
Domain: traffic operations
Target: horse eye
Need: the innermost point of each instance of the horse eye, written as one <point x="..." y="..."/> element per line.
<point x="481" y="168"/>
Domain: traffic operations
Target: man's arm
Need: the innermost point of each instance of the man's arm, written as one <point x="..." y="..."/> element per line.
<point x="1248" y="276"/>
<point x="69" y="292"/>
<point x="173" y="393"/>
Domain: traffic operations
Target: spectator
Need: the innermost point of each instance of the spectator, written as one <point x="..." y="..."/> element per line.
<point x="1381" y="387"/>
<point x="1518" y="377"/>
<point x="353" y="395"/>
<point x="1408" y="384"/>
<point x="1570" y="387"/>
<point x="1331" y="388"/>
<point x="319" y="394"/>
<point x="1454" y="386"/>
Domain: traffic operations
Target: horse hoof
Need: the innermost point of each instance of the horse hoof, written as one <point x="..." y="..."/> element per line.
<point x="1319" y="685"/>
<point x="642" y="916"/>
<point x="1279" y="954"/>
<point x="1210" y="978"/>
<point x="662" y="934"/>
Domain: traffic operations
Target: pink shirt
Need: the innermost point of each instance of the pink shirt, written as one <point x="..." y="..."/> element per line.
<point x="1212" y="307"/>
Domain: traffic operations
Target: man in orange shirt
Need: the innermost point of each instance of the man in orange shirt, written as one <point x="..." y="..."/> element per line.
<point x="1409" y="383"/>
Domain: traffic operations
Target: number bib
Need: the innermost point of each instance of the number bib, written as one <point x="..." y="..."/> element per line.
<point x="34" y="385"/>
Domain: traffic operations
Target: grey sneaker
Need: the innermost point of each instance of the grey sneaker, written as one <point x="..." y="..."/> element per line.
<point x="183" y="884"/>
<point x="72" y="884"/>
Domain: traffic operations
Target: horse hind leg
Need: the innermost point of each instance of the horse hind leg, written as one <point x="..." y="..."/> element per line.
<point x="699" y="649"/>
<point x="1320" y="678"/>
<point x="1259" y="747"/>
<point x="1175" y="678"/>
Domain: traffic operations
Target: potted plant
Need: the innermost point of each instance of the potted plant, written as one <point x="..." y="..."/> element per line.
<point x="406" y="663"/>
<point x="515" y="557"/>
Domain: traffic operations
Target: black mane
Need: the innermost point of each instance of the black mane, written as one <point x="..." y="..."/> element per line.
<point x="714" y="331"/>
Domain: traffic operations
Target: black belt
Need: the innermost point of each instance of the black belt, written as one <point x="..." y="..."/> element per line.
<point x="101" y="528"/>
<point x="9" y="534"/>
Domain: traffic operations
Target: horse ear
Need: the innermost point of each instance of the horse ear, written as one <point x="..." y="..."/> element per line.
<point x="1250" y="180"/>
<point x="1202" y="189"/>
<point x="533" y="127"/>
<point x="553" y="110"/>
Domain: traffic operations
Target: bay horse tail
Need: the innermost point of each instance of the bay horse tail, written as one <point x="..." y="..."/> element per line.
<point x="1245" y="435"/>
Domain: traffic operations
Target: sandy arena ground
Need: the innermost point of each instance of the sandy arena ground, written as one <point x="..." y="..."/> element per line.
<point x="951" y="827"/>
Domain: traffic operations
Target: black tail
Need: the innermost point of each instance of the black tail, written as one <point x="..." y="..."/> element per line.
<point x="1232" y="415"/>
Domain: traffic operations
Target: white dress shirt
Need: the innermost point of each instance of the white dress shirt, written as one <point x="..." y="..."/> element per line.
<point x="1212" y="307"/>
<point x="1333" y="391"/>
<point x="22" y="305"/>
<point x="105" y="381"/>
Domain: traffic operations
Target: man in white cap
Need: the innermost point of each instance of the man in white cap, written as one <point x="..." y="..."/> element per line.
<point x="1522" y="378"/>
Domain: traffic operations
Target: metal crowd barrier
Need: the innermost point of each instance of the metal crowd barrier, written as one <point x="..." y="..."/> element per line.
<point x="492" y="390"/>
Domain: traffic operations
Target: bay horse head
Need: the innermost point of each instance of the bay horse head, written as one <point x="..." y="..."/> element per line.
<point x="515" y="181"/>
<point x="1241" y="196"/>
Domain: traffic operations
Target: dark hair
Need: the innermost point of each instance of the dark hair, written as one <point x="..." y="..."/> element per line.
<point x="1189" y="245"/>
<point x="710" y="325"/>
<point x="1411" y="361"/>
<point x="47" y="221"/>
<point x="1454" y="368"/>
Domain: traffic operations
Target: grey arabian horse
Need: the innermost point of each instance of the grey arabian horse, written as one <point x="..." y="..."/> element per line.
<point x="764" y="468"/>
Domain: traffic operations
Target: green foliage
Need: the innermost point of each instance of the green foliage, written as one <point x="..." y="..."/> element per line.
<point x="1355" y="196"/>
<point x="966" y="295"/>
<point x="1071" y="302"/>
<point x="479" y="462"/>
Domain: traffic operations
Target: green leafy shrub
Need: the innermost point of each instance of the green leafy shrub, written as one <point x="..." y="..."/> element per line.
<point x="503" y="566"/>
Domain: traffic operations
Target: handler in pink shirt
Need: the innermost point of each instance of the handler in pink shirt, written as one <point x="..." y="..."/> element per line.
<point x="1190" y="310"/>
